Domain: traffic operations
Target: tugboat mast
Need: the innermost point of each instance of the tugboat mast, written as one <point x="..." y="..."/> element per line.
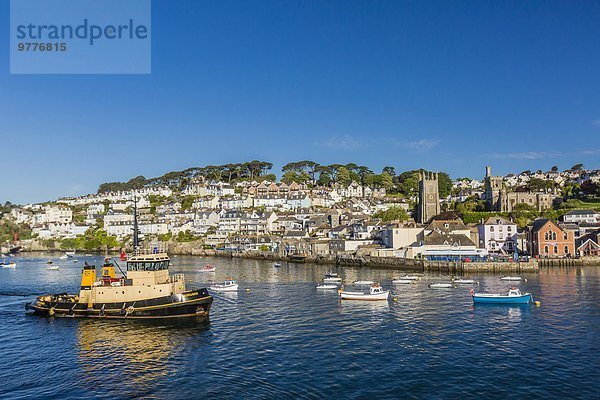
<point x="136" y="239"/>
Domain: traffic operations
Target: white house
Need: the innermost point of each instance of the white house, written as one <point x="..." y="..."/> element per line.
<point x="399" y="236"/>
<point x="577" y="216"/>
<point x="497" y="235"/>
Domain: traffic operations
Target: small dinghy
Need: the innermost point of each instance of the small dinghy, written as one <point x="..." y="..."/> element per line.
<point x="332" y="280"/>
<point x="514" y="296"/>
<point x="65" y="257"/>
<point x="375" y="293"/>
<point x="441" y="286"/>
<point x="277" y="265"/>
<point x="54" y="268"/>
<point x="402" y="281"/>
<point x="228" y="286"/>
<point x="363" y="283"/>
<point x="49" y="262"/>
<point x="464" y="281"/>
<point x="9" y="265"/>
<point x="326" y="286"/>
<point x="510" y="278"/>
<point x="208" y="268"/>
<point x="331" y="274"/>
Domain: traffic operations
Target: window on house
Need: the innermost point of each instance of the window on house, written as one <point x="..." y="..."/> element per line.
<point x="566" y="249"/>
<point x="546" y="249"/>
<point x="491" y="229"/>
<point x="565" y="236"/>
<point x="509" y="228"/>
<point x="546" y="236"/>
<point x="553" y="235"/>
<point x="555" y="249"/>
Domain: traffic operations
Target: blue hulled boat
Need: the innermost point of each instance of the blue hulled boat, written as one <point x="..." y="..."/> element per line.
<point x="514" y="296"/>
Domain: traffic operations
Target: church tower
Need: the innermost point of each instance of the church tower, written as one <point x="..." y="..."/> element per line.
<point x="493" y="190"/>
<point x="429" y="197"/>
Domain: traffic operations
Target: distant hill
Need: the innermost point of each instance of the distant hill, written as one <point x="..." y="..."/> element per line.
<point x="177" y="179"/>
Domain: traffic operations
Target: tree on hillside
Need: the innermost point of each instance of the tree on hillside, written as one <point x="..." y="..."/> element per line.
<point x="536" y="184"/>
<point x="391" y="171"/>
<point x="577" y="167"/>
<point x="386" y="181"/>
<point x="590" y="188"/>
<point x="343" y="176"/>
<point x="392" y="214"/>
<point x="444" y="184"/>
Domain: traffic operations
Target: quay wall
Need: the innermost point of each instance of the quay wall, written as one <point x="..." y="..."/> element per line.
<point x="394" y="263"/>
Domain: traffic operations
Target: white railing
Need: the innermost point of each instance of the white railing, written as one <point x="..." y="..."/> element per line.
<point x="152" y="248"/>
<point x="177" y="278"/>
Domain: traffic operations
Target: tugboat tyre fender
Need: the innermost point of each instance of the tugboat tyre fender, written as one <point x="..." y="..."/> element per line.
<point x="123" y="311"/>
<point x="51" y="311"/>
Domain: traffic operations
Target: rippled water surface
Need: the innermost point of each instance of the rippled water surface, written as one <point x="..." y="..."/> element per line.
<point x="283" y="339"/>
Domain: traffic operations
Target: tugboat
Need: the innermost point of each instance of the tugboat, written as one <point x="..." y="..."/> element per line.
<point x="146" y="291"/>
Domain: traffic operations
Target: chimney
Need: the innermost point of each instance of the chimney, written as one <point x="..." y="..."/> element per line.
<point x="488" y="171"/>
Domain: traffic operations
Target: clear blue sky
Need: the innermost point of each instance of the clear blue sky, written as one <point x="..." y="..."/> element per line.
<point x="449" y="86"/>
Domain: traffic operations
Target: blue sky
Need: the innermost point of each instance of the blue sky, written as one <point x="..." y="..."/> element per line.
<point x="449" y="86"/>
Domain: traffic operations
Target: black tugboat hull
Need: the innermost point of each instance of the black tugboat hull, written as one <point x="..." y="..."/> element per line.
<point x="192" y="304"/>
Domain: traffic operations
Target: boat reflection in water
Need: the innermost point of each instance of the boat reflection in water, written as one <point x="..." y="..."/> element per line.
<point x="132" y="359"/>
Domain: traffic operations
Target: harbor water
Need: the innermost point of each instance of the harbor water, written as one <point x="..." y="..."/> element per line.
<point x="278" y="337"/>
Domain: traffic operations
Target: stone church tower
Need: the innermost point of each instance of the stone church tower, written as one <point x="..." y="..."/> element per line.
<point x="429" y="197"/>
<point x="495" y="192"/>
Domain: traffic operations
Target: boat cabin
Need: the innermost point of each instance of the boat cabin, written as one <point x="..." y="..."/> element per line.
<point x="147" y="277"/>
<point x="514" y="292"/>
<point x="375" y="289"/>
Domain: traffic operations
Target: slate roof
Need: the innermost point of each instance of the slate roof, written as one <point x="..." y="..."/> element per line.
<point x="440" y="239"/>
<point x="582" y="212"/>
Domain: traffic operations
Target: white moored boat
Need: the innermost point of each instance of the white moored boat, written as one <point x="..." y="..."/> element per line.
<point x="54" y="268"/>
<point x="332" y="280"/>
<point x="208" y="268"/>
<point x="409" y="277"/>
<point x="64" y="257"/>
<point x="510" y="278"/>
<point x="375" y="293"/>
<point x="464" y="281"/>
<point x="326" y="286"/>
<point x="363" y="283"/>
<point x="228" y="286"/>
<point x="331" y="274"/>
<point x="402" y="281"/>
<point x="440" y="286"/>
<point x="9" y="265"/>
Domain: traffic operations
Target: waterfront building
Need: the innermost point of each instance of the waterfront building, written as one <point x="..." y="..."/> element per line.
<point x="547" y="239"/>
<point x="497" y="235"/>
<point x="398" y="236"/>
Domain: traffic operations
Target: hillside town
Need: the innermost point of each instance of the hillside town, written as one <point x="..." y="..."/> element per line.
<point x="335" y="211"/>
